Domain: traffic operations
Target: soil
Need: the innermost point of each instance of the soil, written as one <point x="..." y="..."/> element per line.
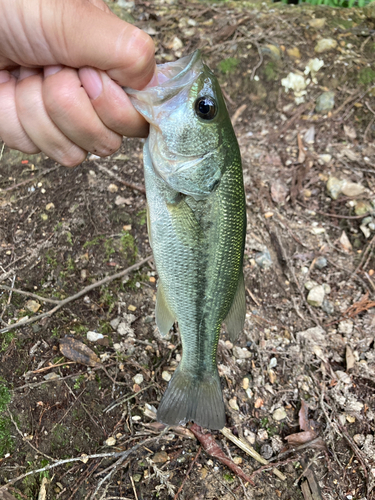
<point x="64" y="229"/>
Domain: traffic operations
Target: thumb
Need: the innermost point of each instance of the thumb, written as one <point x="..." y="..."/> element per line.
<point x="79" y="33"/>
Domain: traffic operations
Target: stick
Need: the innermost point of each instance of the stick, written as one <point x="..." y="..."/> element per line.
<point x="250" y="451"/>
<point x="29" y="294"/>
<point x="62" y="303"/>
<point x="187" y="474"/>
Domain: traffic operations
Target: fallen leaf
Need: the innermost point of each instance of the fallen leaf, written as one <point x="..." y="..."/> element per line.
<point x="345" y="243"/>
<point x="77" y="351"/>
<point x="350" y="359"/>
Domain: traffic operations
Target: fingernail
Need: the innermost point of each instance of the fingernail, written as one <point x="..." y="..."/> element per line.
<point x="4" y="76"/>
<point x="91" y="81"/>
<point x="25" y="72"/>
<point x="51" y="70"/>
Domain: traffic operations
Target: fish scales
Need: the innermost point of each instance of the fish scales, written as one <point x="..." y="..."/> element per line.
<point x="196" y="224"/>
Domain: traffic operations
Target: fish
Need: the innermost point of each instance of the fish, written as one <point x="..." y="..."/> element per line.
<point x="196" y="218"/>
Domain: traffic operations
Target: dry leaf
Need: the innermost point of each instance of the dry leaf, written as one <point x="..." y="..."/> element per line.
<point x="350" y="359"/>
<point x="77" y="351"/>
<point x="279" y="191"/>
<point x="345" y="243"/>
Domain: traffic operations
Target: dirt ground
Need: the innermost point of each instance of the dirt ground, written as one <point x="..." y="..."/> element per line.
<point x="309" y="273"/>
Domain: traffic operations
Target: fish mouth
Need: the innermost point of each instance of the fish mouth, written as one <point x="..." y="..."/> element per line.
<point x="171" y="79"/>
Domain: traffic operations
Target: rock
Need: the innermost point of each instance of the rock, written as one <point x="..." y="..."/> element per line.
<point x="359" y="439"/>
<point x="324" y="45"/>
<point x="294" y="82"/>
<point x="334" y="187"/>
<point x="310" y="284"/>
<point x="111" y="441"/>
<point x="262" y="435"/>
<point x="343" y="377"/>
<point x="241" y="352"/>
<point x="315" y="335"/>
<point x="279" y="191"/>
<point x="32" y="305"/>
<point x="176" y="44"/>
<point x="251" y="437"/>
<point x="112" y="188"/>
<point x="272" y="50"/>
<point x="316" y="296"/>
<point x="362" y="207"/>
<point x="245" y="383"/>
<point x="51" y="376"/>
<point x="321" y="262"/>
<point x="124" y="329"/>
<point x="327" y="289"/>
<point x="346" y="327"/>
<point x="263" y="259"/>
<point x="325" y="159"/>
<point x="325" y="102"/>
<point x="94" y="336"/>
<point x="166" y="376"/>
<point x="345" y="243"/>
<point x="138" y="379"/>
<point x="328" y="307"/>
<point x="120" y="200"/>
<point x="279" y="414"/>
<point x="115" y="322"/>
<point x="294" y="53"/>
<point x="277" y="443"/>
<point x="313" y="66"/>
<point x="266" y="451"/>
<point x="309" y="136"/>
<point x="50" y="206"/>
<point x="160" y="457"/>
<point x="237" y="460"/>
<point x="317" y="23"/>
<point x="233" y="404"/>
<point x="352" y="189"/>
<point x="365" y="230"/>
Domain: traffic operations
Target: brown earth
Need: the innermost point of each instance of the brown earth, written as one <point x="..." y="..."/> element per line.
<point x="63" y="229"/>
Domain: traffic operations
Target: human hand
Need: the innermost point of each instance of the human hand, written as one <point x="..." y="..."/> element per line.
<point x="51" y="97"/>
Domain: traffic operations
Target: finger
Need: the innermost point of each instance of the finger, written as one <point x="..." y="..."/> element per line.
<point x="11" y="130"/>
<point x="38" y="125"/>
<point x="70" y="109"/>
<point x="112" y="104"/>
<point x="77" y="33"/>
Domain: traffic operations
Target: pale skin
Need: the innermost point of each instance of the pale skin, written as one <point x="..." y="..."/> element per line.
<point x="62" y="66"/>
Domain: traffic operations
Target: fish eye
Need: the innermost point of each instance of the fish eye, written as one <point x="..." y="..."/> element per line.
<point x="206" y="107"/>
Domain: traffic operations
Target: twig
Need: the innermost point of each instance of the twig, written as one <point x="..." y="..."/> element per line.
<point x="334" y="215"/>
<point x="124" y="399"/>
<point x="259" y="63"/>
<point x="31" y="179"/>
<point x="76" y="296"/>
<point x="133" y="486"/>
<point x="123" y="456"/>
<point x="250" y="451"/>
<point x="187" y="474"/>
<point x="84" y="458"/>
<point x="305" y="469"/>
<point x="29" y="294"/>
<point x="141" y="189"/>
<point x="27" y="441"/>
<point x="212" y="448"/>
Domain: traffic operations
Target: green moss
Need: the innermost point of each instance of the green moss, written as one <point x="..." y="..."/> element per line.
<point x="228" y="65"/>
<point x="366" y="76"/>
<point x="96" y="241"/>
<point x="142" y="217"/>
<point x="59" y="438"/>
<point x="69" y="238"/>
<point x="128" y="246"/>
<point x="270" y="71"/>
<point x="6" y="440"/>
<point x="6" y="341"/>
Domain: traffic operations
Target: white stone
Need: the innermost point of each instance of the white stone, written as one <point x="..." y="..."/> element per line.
<point x="166" y="376"/>
<point x="279" y="414"/>
<point x="241" y="352"/>
<point x="138" y="379"/>
<point x="346" y="327"/>
<point x="111" y="441"/>
<point x="94" y="336"/>
<point x="316" y="296"/>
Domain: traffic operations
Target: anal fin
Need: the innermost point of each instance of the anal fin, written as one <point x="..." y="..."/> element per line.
<point x="163" y="314"/>
<point x="237" y="313"/>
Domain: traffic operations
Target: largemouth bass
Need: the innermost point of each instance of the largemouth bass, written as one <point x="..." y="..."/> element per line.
<point x="196" y="225"/>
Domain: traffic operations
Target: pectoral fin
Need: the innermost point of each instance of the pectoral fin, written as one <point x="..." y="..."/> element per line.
<point x="163" y="315"/>
<point x="237" y="313"/>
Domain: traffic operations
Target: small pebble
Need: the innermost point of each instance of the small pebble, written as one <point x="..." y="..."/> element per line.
<point x="32" y="305"/>
<point x="138" y="379"/>
<point x="241" y="352"/>
<point x="310" y="284"/>
<point x="346" y="327"/>
<point x="266" y="451"/>
<point x="328" y="307"/>
<point x="111" y="441"/>
<point x="237" y="460"/>
<point x="166" y="376"/>
<point x="94" y="336"/>
<point x="160" y="457"/>
<point x="279" y="414"/>
<point x="112" y="188"/>
<point x="263" y="259"/>
<point x="316" y="296"/>
<point x="321" y="262"/>
<point x="233" y="404"/>
<point x="262" y="434"/>
<point x="327" y="288"/>
<point x="324" y="45"/>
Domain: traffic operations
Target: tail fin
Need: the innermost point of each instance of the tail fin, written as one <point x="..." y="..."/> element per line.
<point x="191" y="397"/>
